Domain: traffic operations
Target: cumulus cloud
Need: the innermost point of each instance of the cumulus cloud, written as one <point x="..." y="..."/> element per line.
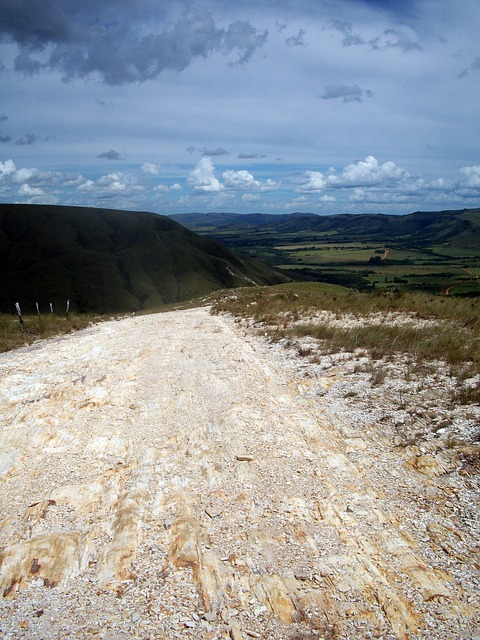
<point x="387" y="183"/>
<point x="28" y="191"/>
<point x="165" y="188"/>
<point x="7" y="168"/>
<point x="111" y="154"/>
<point x="202" y="179"/>
<point x="348" y="93"/>
<point x="470" y="176"/>
<point x="314" y="181"/>
<point x="150" y="169"/>
<point x="4" y="139"/>
<point x="81" y="38"/>
<point x="368" y="172"/>
<point x="244" y="180"/>
<point x="111" y="186"/>
<point x="467" y="183"/>
<point x="296" y="41"/>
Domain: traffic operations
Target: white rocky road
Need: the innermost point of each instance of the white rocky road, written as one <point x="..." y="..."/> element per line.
<point x="169" y="476"/>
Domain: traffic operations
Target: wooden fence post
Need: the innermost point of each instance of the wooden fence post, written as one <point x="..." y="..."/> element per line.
<point x="19" y="313"/>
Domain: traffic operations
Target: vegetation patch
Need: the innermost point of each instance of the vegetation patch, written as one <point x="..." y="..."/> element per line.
<point x="424" y="328"/>
<point x="13" y="335"/>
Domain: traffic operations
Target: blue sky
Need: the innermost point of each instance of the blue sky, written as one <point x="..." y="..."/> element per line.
<point x="272" y="106"/>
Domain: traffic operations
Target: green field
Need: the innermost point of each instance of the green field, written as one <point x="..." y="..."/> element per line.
<point x="438" y="252"/>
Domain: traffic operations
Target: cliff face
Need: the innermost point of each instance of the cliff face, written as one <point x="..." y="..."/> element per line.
<point x="171" y="476"/>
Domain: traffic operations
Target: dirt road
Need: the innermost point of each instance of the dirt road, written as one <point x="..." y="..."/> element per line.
<point x="168" y="476"/>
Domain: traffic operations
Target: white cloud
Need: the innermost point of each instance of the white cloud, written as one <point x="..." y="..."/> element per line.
<point x="250" y="197"/>
<point x="165" y="188"/>
<point x="469" y="177"/>
<point x="150" y="169"/>
<point x="366" y="172"/>
<point x="7" y="168"/>
<point x="244" y="180"/>
<point x="202" y="179"/>
<point x="110" y="186"/>
<point x="27" y="190"/>
<point x="315" y="181"/>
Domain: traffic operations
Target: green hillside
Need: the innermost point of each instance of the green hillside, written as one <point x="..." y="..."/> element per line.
<point x="435" y="251"/>
<point x="109" y="261"/>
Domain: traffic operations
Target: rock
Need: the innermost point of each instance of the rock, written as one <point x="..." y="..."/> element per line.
<point x="235" y="633"/>
<point x="210" y="616"/>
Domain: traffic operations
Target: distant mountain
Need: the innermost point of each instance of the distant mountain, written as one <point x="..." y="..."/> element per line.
<point x="458" y="228"/>
<point x="109" y="261"/>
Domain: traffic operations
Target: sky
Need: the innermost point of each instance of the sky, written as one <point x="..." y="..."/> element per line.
<point x="272" y="106"/>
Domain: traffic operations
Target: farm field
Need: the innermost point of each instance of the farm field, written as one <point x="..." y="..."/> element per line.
<point x="437" y="252"/>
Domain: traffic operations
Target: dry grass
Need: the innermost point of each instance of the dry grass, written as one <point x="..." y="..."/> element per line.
<point x="36" y="328"/>
<point x="451" y="336"/>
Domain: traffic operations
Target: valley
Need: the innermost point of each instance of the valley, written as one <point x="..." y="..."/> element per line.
<point x="436" y="252"/>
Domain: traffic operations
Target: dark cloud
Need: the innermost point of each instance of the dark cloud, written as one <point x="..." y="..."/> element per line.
<point x="389" y="38"/>
<point x="4" y="139"/>
<point x="215" y="152"/>
<point x="28" y="139"/>
<point x="475" y="66"/>
<point x="84" y="38"/>
<point x="111" y="154"/>
<point x="347" y="93"/>
<point x="102" y="103"/>
<point x="349" y="38"/>
<point x="244" y="39"/>
<point x="296" y="41"/>
<point x="24" y="63"/>
<point x="3" y="117"/>
<point x="209" y="152"/>
<point x="33" y="23"/>
<point x="250" y="156"/>
<point x="405" y="9"/>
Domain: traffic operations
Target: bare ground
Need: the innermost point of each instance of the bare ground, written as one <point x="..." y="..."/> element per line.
<point x="172" y="476"/>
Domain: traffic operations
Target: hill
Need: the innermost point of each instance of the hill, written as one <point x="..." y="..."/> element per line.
<point x="107" y="261"/>
<point x="459" y="228"/>
<point x="436" y="251"/>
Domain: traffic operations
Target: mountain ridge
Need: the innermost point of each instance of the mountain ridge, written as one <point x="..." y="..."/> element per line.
<point x="107" y="260"/>
<point x="419" y="225"/>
